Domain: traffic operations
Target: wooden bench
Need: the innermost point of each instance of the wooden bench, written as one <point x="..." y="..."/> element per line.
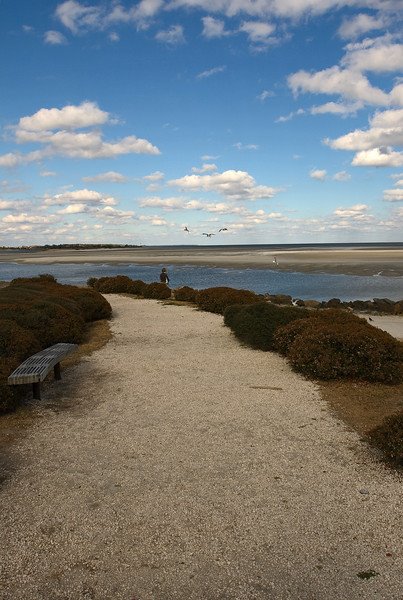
<point x="35" y="368"/>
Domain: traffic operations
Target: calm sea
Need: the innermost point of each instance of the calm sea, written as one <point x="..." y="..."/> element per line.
<point x="298" y="285"/>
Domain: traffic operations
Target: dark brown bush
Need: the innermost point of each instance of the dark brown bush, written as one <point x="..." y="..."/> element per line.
<point x="256" y="324"/>
<point x="137" y="287"/>
<point x="284" y="336"/>
<point x="388" y="437"/>
<point x="119" y="284"/>
<point x="356" y="351"/>
<point x="156" y="291"/>
<point x="16" y="341"/>
<point x="217" y="299"/>
<point x="185" y="294"/>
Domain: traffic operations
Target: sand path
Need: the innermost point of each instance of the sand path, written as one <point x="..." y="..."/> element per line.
<point x="188" y="467"/>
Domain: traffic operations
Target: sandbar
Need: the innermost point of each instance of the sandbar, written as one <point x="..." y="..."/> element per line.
<point x="353" y="261"/>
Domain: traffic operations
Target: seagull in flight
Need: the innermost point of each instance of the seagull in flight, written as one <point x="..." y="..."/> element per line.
<point x="222" y="229"/>
<point x="186" y="229"/>
<point x="208" y="234"/>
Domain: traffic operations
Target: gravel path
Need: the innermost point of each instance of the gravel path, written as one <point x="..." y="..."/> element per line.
<point x="188" y="467"/>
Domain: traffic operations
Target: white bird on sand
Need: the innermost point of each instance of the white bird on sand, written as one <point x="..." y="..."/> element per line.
<point x="208" y="234"/>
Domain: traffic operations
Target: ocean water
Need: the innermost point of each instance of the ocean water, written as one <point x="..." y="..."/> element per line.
<point x="316" y="286"/>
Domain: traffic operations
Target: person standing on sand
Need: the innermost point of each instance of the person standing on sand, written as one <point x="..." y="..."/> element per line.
<point x="164" y="276"/>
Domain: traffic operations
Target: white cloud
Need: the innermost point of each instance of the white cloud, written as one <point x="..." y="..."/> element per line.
<point x="76" y="16"/>
<point x="349" y="84"/>
<point x="258" y="32"/>
<point x="352" y="211"/>
<point x="55" y="129"/>
<point x="264" y="95"/>
<point x="240" y="146"/>
<point x="114" y="37"/>
<point x="154" y="220"/>
<point x="48" y="173"/>
<point x="54" y="38"/>
<point x="378" y="157"/>
<point x="291" y="115"/>
<point x="27" y="218"/>
<point x="210" y="72"/>
<point x="213" y="28"/>
<point x="378" y="58"/>
<point x="359" y="24"/>
<point x="205" y="168"/>
<point x="156" y="176"/>
<point x="235" y="185"/>
<point x="318" y="174"/>
<point x="174" y="35"/>
<point x="341" y="176"/>
<point x="172" y="203"/>
<point x="336" y="108"/>
<point x="86" y="114"/>
<point x="393" y="195"/>
<point x="72" y="209"/>
<point x="111" y="176"/>
<point x="13" y="204"/>
<point x="80" y="197"/>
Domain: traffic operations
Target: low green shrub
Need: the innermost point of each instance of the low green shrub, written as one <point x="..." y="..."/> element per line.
<point x="356" y="351"/>
<point x="118" y="284"/>
<point x="388" y="437"/>
<point x="16" y="341"/>
<point x="137" y="287"/>
<point x="257" y="323"/>
<point x="217" y="299"/>
<point x="156" y="291"/>
<point x="185" y="294"/>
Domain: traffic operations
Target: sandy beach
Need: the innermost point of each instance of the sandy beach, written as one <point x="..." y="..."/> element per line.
<point x="355" y="261"/>
<point x="176" y="464"/>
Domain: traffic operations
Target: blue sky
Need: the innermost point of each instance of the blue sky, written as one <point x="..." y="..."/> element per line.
<point x="280" y="121"/>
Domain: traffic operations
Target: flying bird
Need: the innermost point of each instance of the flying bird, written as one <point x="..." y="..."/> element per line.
<point x="208" y="234"/>
<point x="186" y="229"/>
<point x="222" y="229"/>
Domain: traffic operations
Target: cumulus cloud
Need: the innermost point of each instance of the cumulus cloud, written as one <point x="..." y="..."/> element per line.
<point x="352" y="211"/>
<point x="291" y="115"/>
<point x="359" y="24"/>
<point x="80" y="197"/>
<point x="172" y="203"/>
<point x="234" y="185"/>
<point x="380" y="57"/>
<point x="336" y="108"/>
<point x="56" y="130"/>
<point x="173" y="36"/>
<point x="154" y="220"/>
<point x="205" y="168"/>
<point x="258" y="32"/>
<point x="374" y="146"/>
<point x="29" y="218"/>
<point x="54" y="38"/>
<point x="378" y="157"/>
<point x="393" y="195"/>
<point x="156" y="176"/>
<point x="241" y="146"/>
<point x="349" y="84"/>
<point x="213" y="28"/>
<point x="318" y="174"/>
<point x="13" y="204"/>
<point x="111" y="176"/>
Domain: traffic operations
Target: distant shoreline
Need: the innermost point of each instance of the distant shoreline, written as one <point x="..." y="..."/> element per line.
<point x="346" y="260"/>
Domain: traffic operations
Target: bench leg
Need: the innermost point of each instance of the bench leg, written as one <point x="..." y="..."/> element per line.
<point x="56" y="370"/>
<point x="36" y="389"/>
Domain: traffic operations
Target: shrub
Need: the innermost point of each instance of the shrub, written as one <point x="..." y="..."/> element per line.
<point x="137" y="287"/>
<point x="114" y="285"/>
<point x="92" y="282"/>
<point x="388" y="437"/>
<point x="185" y="294"/>
<point x="156" y="291"/>
<point x="217" y="299"/>
<point x="284" y="336"/>
<point x="256" y="324"/>
<point x="335" y="350"/>
<point x="16" y="341"/>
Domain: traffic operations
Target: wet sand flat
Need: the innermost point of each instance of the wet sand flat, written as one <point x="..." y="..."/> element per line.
<point x="355" y="261"/>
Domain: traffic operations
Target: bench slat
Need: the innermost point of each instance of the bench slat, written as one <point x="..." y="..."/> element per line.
<point x="35" y="368"/>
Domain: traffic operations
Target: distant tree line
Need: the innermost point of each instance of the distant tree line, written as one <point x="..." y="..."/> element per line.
<point x="70" y="247"/>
